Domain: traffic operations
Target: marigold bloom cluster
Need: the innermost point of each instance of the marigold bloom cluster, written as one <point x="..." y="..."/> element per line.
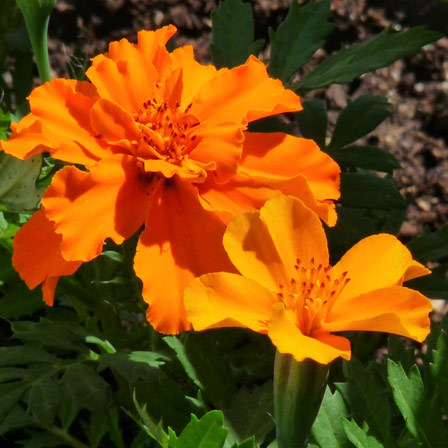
<point x="288" y="290"/>
<point x="159" y="141"/>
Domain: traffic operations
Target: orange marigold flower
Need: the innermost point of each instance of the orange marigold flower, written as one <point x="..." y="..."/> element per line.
<point x="289" y="291"/>
<point x="164" y="145"/>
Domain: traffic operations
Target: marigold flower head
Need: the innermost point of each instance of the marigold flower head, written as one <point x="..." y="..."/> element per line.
<point x="163" y="143"/>
<point x="289" y="291"/>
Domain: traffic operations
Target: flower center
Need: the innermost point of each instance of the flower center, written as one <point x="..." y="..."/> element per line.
<point x="167" y="131"/>
<point x="310" y="293"/>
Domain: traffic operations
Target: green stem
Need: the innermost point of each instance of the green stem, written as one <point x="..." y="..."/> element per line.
<point x="71" y="441"/>
<point x="298" y="391"/>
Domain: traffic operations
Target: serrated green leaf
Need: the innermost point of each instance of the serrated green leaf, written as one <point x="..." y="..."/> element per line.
<point x="208" y="432"/>
<point x="250" y="412"/>
<point x="298" y="37"/>
<point x="367" y="157"/>
<point x="422" y="418"/>
<point x="430" y="246"/>
<point x="358" y="436"/>
<point x="368" y="56"/>
<point x="18" y="189"/>
<point x="312" y="120"/>
<point x="20" y="356"/>
<point x="249" y="443"/>
<point x="367" y="398"/>
<point x="10" y="394"/>
<point x="434" y="285"/>
<point x="44" y="400"/>
<point x="133" y="365"/>
<point x="16" y="419"/>
<point x="398" y="352"/>
<point x="439" y="369"/>
<point x="86" y="388"/>
<point x="233" y="34"/>
<point x="358" y="118"/>
<point x="367" y="190"/>
<point x="327" y="429"/>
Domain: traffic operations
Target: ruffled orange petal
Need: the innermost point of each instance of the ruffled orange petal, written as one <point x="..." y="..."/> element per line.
<point x="283" y="156"/>
<point x="221" y="299"/>
<point x="376" y="262"/>
<point x="26" y="139"/>
<point x="37" y="240"/>
<point x="181" y="241"/>
<point x="194" y="74"/>
<point x="222" y="144"/>
<point x="322" y="348"/>
<point x="395" y="310"/>
<point x="86" y="208"/>
<point x="243" y="94"/>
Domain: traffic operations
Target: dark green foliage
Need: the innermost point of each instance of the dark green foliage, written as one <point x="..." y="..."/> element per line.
<point x="298" y="37"/>
<point x="313" y="119"/>
<point x="368" y="56"/>
<point x="233" y="34"/>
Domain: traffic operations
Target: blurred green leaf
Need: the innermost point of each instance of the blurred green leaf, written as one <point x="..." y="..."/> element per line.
<point x="250" y="412"/>
<point x="422" y="418"/>
<point x="367" y="190"/>
<point x="327" y="429"/>
<point x="10" y="394"/>
<point x="18" y="189"/>
<point x="5" y="120"/>
<point x="312" y="120"/>
<point x="233" y="34"/>
<point x="367" y="398"/>
<point x="439" y="369"/>
<point x="298" y="37"/>
<point x="20" y="356"/>
<point x="208" y="432"/>
<point x="44" y="400"/>
<point x="358" y="436"/>
<point x="398" y="352"/>
<point x="358" y="118"/>
<point x="367" y="157"/>
<point x="86" y="388"/>
<point x="430" y="246"/>
<point x="380" y="51"/>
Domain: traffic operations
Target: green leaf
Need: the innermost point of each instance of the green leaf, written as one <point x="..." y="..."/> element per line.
<point x="133" y="365"/>
<point x="367" y="190"/>
<point x="298" y="37"/>
<point x="20" y="355"/>
<point x="250" y="412"/>
<point x="365" y="57"/>
<point x="86" y="388"/>
<point x="177" y="346"/>
<point x="18" y="189"/>
<point x="327" y="429"/>
<point x="208" y="432"/>
<point x="5" y="120"/>
<point x="358" y="118"/>
<point x="367" y="397"/>
<point x="430" y="246"/>
<point x="434" y="285"/>
<point x="358" y="436"/>
<point x="422" y="418"/>
<point x="367" y="157"/>
<point x="439" y="369"/>
<point x="398" y="352"/>
<point x="16" y="419"/>
<point x="44" y="400"/>
<point x="233" y="34"/>
<point x="18" y="301"/>
<point x="10" y="394"/>
<point x="312" y="120"/>
<point x="249" y="443"/>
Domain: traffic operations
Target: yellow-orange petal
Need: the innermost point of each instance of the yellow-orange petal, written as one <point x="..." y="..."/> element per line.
<point x="322" y="348"/>
<point x="243" y="94"/>
<point x="181" y="241"/>
<point x="282" y="156"/>
<point x="26" y="139"/>
<point x="221" y="143"/>
<point x="62" y="106"/>
<point x="86" y="208"/>
<point x="37" y="241"/>
<point x="222" y="299"/>
<point x="112" y="123"/>
<point x="376" y="262"/>
<point x="194" y="74"/>
<point x="395" y="309"/>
